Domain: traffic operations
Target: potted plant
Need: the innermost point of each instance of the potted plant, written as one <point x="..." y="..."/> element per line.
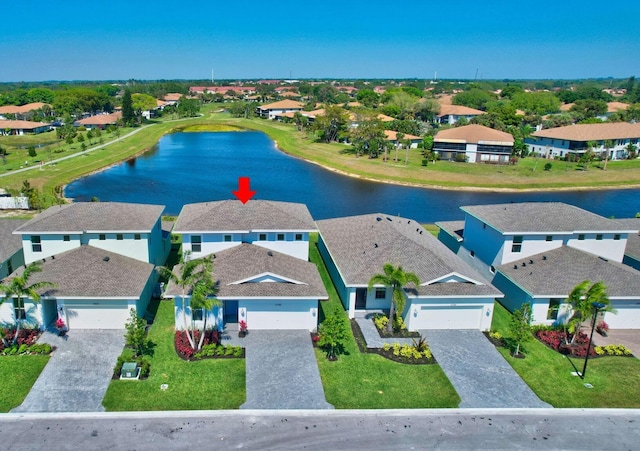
<point x="602" y="328"/>
<point x="61" y="326"/>
<point x="243" y="329"/>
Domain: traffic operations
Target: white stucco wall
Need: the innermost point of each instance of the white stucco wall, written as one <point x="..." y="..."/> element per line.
<point x="33" y="314"/>
<point x="51" y="244"/>
<point x="531" y="245"/>
<point x="607" y="247"/>
<point x="485" y="242"/>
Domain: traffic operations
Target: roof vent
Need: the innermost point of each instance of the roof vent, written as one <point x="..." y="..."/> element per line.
<point x="420" y="232"/>
<point x="604" y="259"/>
<point x="375" y="245"/>
<point x="544" y="257"/>
<point x="105" y="258"/>
<point x="270" y="254"/>
<point x="53" y="257"/>
<point x="531" y="262"/>
<point x="524" y="264"/>
<point x="378" y="219"/>
<point x="409" y="221"/>
<point x="44" y="260"/>
<point x="389" y="219"/>
<point x="515" y="266"/>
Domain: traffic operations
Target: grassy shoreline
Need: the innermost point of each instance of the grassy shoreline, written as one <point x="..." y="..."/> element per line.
<point x="527" y="175"/>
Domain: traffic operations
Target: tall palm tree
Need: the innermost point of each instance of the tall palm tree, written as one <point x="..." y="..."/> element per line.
<point x="581" y="299"/>
<point x="194" y="277"/>
<point x="396" y="278"/>
<point x="18" y="287"/>
<point x="200" y="299"/>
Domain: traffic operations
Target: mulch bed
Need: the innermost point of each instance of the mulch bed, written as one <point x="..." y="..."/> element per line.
<point x="404" y="333"/>
<point x="362" y="346"/>
<point x="494" y="342"/>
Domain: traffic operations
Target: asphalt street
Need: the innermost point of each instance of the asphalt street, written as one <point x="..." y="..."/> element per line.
<point x="458" y="429"/>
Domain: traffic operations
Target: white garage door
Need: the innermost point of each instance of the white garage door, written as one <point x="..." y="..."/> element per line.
<point x="97" y="315"/>
<point x="628" y="316"/>
<point x="448" y="317"/>
<point x="280" y="315"/>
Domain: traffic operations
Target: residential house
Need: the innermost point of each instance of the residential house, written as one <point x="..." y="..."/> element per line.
<point x="272" y="110"/>
<point x="474" y="143"/>
<point x="450" y="114"/>
<point x="632" y="251"/>
<point x="21" y="111"/>
<point x="9" y="127"/>
<point x="11" y="255"/>
<point x="392" y="137"/>
<point x="451" y="294"/>
<point x="575" y="140"/>
<point x="100" y="121"/>
<point x="521" y="244"/>
<point x="101" y="256"/>
<point x="261" y="266"/>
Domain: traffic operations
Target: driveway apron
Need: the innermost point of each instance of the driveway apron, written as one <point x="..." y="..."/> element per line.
<point x="480" y="375"/>
<point x="281" y="371"/>
<point x="78" y="373"/>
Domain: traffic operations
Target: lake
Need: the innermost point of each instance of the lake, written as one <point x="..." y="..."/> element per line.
<point x="185" y="168"/>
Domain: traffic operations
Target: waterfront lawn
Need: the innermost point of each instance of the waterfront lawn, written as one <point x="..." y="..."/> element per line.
<point x="208" y="384"/>
<point x="18" y="373"/>
<point x="369" y="381"/>
<point x="615" y="380"/>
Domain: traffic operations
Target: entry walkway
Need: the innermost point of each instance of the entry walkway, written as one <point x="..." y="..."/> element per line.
<point x="281" y="370"/>
<point x="78" y="372"/>
<point x="480" y="375"/>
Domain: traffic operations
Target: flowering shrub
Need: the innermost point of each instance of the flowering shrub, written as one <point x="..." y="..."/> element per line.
<point x="25" y="349"/>
<point x="183" y="347"/>
<point x="60" y="323"/>
<point x="561" y="342"/>
<point x="243" y="326"/>
<point x="213" y="350"/>
<point x="27" y="336"/>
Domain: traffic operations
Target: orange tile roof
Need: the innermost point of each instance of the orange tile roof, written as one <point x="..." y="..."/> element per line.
<point x="283" y="104"/>
<point x="474" y="133"/>
<point x="385" y="118"/>
<point x="614" y="107"/>
<point x="566" y="106"/>
<point x="393" y="135"/>
<point x="14" y="109"/>
<point x="458" y="110"/>
<point x="592" y="132"/>
<point x="24" y="125"/>
<point x="101" y="119"/>
<point x="173" y="96"/>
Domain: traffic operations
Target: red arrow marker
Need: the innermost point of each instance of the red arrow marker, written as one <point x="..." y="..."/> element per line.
<point x="244" y="192"/>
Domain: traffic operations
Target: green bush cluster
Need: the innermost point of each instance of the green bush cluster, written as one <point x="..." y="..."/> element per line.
<point x="408" y="351"/>
<point x="496" y="335"/>
<point x="619" y="350"/>
<point x="24" y="349"/>
<point x="214" y="350"/>
<point x="381" y="322"/>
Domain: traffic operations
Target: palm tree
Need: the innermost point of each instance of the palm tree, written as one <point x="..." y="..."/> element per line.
<point x="395" y="278"/>
<point x="608" y="145"/>
<point x="19" y="288"/>
<point x="194" y="277"/>
<point x="581" y="299"/>
<point x="200" y="300"/>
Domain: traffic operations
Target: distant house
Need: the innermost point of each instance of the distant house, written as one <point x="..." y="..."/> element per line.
<point x="575" y="139"/>
<point x="11" y="255"/>
<point x="261" y="266"/>
<point x="100" y="121"/>
<point x="474" y="143"/>
<point x="173" y="98"/>
<point x="450" y="114"/>
<point x="392" y="137"/>
<point x="451" y="295"/>
<point x="8" y="127"/>
<point x="102" y="258"/>
<point x="272" y="110"/>
<point x="22" y="110"/>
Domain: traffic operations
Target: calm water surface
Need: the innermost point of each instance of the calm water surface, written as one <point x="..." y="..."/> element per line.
<point x="185" y="168"/>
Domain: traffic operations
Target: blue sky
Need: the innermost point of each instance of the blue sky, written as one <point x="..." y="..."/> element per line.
<point x="71" y="40"/>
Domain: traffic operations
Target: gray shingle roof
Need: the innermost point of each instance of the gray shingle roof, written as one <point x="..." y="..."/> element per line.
<point x="9" y="243"/>
<point x="86" y="272"/>
<point x="565" y="267"/>
<point x="453" y="228"/>
<point x="247" y="261"/>
<point x="233" y="215"/>
<point x="361" y="245"/>
<point x="541" y="217"/>
<point x="94" y="217"/>
<point x="633" y="242"/>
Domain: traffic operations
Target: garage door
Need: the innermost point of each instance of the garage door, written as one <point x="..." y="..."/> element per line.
<point x="97" y="315"/>
<point x="280" y="315"/>
<point x="448" y="317"/>
<point x="628" y="316"/>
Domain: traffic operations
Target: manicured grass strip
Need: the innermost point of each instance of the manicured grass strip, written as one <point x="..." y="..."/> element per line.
<point x="615" y="380"/>
<point x="369" y="381"/>
<point x="202" y="385"/>
<point x="18" y="374"/>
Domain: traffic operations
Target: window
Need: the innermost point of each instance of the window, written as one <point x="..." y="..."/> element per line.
<point x="102" y="237"/>
<point x="196" y="243"/>
<point x="599" y="237"/>
<point x="227" y="238"/>
<point x="280" y="236"/>
<point x="298" y="236"/>
<point x="516" y="247"/>
<point x="66" y="238"/>
<point x="381" y="293"/>
<point x="549" y="238"/>
<point x="616" y="237"/>
<point x="136" y="236"/>
<point x="197" y="314"/>
<point x="18" y="309"/>
<point x="36" y="245"/>
<point x="262" y="237"/>
<point x="119" y="237"/>
<point x="581" y="237"/>
<point x="554" y="306"/>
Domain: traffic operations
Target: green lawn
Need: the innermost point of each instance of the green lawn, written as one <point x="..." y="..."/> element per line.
<point x="201" y="385"/>
<point x="369" y="381"/>
<point x="615" y="380"/>
<point x="18" y="374"/>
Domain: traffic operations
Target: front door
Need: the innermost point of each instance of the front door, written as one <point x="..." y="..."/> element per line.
<point x="361" y="298"/>
<point x="230" y="312"/>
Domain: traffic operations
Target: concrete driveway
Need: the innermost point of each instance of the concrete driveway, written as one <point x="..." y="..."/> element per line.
<point x="78" y="373"/>
<point x="480" y="375"/>
<point x="281" y="370"/>
<point x="630" y="338"/>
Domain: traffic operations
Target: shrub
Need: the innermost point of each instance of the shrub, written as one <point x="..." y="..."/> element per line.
<point x="496" y="335"/>
<point x="547" y="166"/>
<point x="380" y="321"/>
<point x="145" y="367"/>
